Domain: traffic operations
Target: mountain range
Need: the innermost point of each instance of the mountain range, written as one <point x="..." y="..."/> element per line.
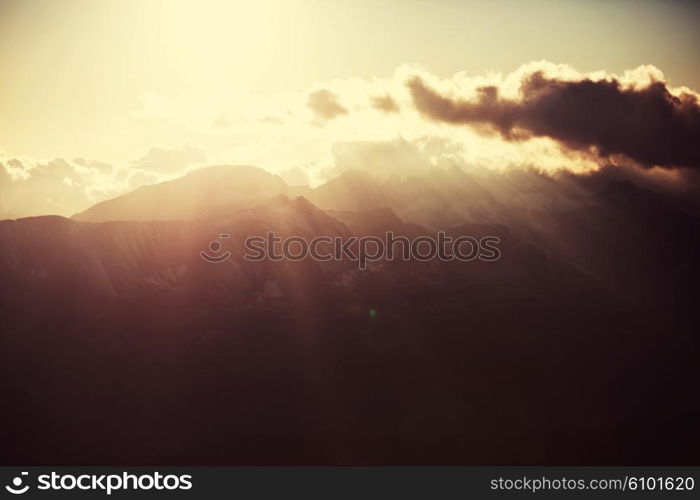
<point x="121" y="344"/>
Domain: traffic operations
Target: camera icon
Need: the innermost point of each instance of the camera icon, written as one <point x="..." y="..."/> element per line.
<point x="215" y="248"/>
<point x="16" y="488"/>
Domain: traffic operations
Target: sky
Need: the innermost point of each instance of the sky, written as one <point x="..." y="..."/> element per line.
<point x="154" y="86"/>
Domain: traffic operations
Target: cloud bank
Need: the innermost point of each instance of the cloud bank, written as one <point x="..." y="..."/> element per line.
<point x="648" y="124"/>
<point x="542" y="116"/>
<point x="30" y="187"/>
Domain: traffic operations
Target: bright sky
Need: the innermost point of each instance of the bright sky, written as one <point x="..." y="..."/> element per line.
<point x="100" y="97"/>
<point x="110" y="79"/>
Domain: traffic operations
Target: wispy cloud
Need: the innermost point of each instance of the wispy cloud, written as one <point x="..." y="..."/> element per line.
<point x="325" y="104"/>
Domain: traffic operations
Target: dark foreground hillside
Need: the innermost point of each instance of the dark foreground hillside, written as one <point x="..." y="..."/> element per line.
<point x="120" y="345"/>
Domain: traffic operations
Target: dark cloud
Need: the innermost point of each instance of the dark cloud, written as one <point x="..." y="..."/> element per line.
<point x="647" y="124"/>
<point x="385" y="103"/>
<point x="680" y="187"/>
<point x="325" y="104"/>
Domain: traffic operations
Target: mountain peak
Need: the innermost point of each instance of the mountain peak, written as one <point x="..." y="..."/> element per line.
<point x="201" y="193"/>
<point x="301" y="202"/>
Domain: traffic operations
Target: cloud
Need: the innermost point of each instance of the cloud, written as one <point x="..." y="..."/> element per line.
<point x="325" y="105"/>
<point x="542" y="116"/>
<point x="30" y="187"/>
<point x="398" y="158"/>
<point x="649" y="124"/>
<point x="385" y="103"/>
<point x="295" y="176"/>
<point x="679" y="184"/>
<point x="170" y="161"/>
<point x="271" y="120"/>
<point x="63" y="187"/>
<point x="382" y="158"/>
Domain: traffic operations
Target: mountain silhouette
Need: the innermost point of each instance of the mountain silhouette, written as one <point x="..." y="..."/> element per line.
<point x="189" y="197"/>
<point x="580" y="337"/>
